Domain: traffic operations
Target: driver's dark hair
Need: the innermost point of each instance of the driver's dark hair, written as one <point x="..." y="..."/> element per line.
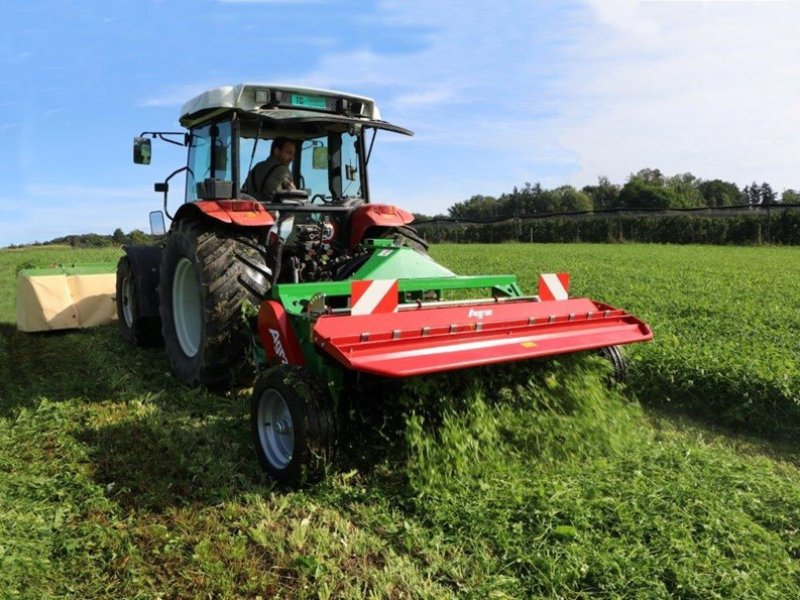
<point x="278" y="143"/>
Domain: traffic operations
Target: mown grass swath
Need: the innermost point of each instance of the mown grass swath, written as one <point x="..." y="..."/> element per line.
<point x="531" y="480"/>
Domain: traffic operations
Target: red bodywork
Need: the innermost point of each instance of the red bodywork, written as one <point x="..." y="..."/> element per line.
<point x="429" y="340"/>
<point x="277" y="336"/>
<point x="244" y="213"/>
<point x="371" y="215"/>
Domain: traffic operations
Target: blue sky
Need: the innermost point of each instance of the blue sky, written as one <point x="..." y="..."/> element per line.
<point x="498" y="93"/>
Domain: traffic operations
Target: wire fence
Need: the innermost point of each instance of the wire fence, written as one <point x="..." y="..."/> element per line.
<point x="738" y="224"/>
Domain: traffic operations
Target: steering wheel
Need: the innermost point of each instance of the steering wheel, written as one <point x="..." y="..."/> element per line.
<point x="325" y="199"/>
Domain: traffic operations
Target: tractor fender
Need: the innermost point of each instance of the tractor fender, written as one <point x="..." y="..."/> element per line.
<point x="145" y="261"/>
<point x="244" y="213"/>
<point x="372" y="215"/>
<point x="277" y="336"/>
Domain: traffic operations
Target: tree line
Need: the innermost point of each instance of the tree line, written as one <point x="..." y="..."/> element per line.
<point x="736" y="228"/>
<point x="646" y="189"/>
<point x="135" y="237"/>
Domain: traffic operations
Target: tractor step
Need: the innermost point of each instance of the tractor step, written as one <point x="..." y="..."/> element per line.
<point x="434" y="338"/>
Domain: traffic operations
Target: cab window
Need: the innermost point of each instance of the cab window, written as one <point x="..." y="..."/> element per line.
<point x="209" y="156"/>
<point x="325" y="166"/>
<point x="329" y="166"/>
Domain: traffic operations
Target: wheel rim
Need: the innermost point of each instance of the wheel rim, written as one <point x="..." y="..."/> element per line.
<point x="275" y="429"/>
<point x="127" y="300"/>
<point x="187" y="311"/>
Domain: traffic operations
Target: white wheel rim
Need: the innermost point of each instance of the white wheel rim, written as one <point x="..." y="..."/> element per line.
<point x="275" y="428"/>
<point x="127" y="300"/>
<point x="187" y="311"/>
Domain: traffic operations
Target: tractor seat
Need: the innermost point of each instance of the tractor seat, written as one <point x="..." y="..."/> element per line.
<point x="293" y="197"/>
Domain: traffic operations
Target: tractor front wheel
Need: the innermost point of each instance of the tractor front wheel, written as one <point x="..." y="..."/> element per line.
<point x="293" y="425"/>
<point x="207" y="272"/>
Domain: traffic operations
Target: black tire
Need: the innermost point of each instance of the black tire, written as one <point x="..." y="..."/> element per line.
<point x="614" y="355"/>
<point x="293" y="425"/>
<point x="140" y="330"/>
<point x="402" y="236"/>
<point x="207" y="272"/>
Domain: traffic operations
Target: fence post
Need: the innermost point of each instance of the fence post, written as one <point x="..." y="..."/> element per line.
<point x="769" y="224"/>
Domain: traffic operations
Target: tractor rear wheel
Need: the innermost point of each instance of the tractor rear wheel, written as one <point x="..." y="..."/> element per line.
<point x="293" y="425"/>
<point x="403" y="235"/>
<point x="207" y="273"/>
<point x="141" y="330"/>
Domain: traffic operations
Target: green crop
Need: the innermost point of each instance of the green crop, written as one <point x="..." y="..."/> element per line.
<point x="726" y="319"/>
<point x="531" y="480"/>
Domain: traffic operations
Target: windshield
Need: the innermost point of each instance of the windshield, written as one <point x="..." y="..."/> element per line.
<point x="326" y="166"/>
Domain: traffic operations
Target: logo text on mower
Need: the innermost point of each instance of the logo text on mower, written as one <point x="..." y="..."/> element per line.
<point x="479" y="314"/>
<point x="276" y="343"/>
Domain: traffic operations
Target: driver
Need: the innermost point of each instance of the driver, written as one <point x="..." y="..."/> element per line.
<point x="272" y="175"/>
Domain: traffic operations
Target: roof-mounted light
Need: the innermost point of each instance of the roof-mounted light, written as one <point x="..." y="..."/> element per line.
<point x="262" y="97"/>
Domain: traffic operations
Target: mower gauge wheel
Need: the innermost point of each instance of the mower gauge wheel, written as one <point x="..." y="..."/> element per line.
<point x="292" y="424"/>
<point x="274" y="428"/>
<point x="614" y="355"/>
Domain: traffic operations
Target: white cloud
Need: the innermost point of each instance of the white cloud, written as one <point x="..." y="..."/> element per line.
<point x="707" y="87"/>
<point x="712" y="89"/>
<point x="177" y="95"/>
<point x="57" y="210"/>
<point x="561" y="93"/>
<point x="416" y="100"/>
<point x="72" y="193"/>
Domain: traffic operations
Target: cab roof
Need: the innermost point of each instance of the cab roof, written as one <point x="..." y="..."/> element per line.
<point x="286" y="105"/>
<point x="257" y="97"/>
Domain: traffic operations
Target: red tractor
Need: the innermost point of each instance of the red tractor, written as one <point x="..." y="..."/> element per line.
<point x="331" y="285"/>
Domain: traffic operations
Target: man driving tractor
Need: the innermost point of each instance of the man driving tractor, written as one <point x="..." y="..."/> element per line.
<point x="272" y="175"/>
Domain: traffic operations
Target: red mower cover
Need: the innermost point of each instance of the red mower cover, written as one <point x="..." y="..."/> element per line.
<point x="431" y="339"/>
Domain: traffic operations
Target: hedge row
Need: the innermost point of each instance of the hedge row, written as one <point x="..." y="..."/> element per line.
<point x="782" y="227"/>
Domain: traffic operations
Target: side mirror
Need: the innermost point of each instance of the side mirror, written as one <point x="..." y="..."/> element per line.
<point x="319" y="157"/>
<point x="157" y="226"/>
<point x="141" y="151"/>
<point x="350" y="172"/>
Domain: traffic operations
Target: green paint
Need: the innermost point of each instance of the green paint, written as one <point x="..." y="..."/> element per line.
<point x="400" y="263"/>
<point x="308" y="101"/>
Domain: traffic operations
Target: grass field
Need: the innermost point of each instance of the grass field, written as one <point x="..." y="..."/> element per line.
<point x="532" y="481"/>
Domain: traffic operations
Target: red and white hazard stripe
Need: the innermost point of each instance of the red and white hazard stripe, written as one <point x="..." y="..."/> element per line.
<point x="373" y="296"/>
<point x="554" y="286"/>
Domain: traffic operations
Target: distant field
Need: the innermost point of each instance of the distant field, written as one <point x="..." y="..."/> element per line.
<point x="535" y="481"/>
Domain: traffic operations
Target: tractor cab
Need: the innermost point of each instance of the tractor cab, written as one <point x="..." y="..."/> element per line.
<point x="230" y="131"/>
<point x="225" y="247"/>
